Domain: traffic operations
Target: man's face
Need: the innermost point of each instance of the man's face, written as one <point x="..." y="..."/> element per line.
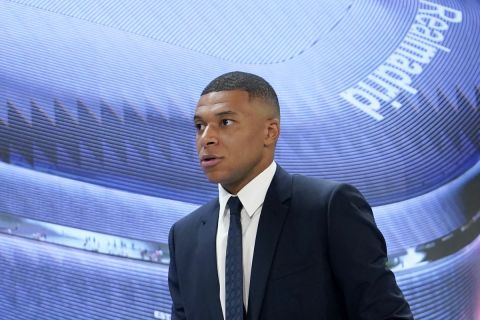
<point x="234" y="137"/>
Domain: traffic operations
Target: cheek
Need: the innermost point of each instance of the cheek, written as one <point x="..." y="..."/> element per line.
<point x="255" y="141"/>
<point x="249" y="150"/>
<point x="198" y="144"/>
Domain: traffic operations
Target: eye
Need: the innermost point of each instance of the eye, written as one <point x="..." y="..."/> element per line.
<point x="199" y="126"/>
<point x="226" y="122"/>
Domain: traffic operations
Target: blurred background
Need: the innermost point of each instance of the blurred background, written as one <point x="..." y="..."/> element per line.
<point x="97" y="155"/>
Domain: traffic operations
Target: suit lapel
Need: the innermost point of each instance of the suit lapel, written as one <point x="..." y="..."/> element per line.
<point x="208" y="254"/>
<point x="274" y="212"/>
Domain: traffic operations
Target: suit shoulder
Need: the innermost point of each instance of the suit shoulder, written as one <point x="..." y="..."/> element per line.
<point x="198" y="214"/>
<point x="313" y="183"/>
<point x="321" y="188"/>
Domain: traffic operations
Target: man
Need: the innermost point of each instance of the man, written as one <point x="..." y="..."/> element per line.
<point x="272" y="245"/>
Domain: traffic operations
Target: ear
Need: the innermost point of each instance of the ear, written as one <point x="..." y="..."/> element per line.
<point x="272" y="132"/>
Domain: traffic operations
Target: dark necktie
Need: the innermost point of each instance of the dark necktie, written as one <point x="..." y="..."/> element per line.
<point x="233" y="264"/>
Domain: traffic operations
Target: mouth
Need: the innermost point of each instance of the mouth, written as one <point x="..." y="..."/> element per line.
<point x="208" y="161"/>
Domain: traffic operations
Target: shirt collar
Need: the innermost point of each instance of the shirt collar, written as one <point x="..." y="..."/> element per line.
<point x="252" y="194"/>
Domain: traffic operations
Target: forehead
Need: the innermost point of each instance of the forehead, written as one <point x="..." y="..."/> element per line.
<point x="232" y="100"/>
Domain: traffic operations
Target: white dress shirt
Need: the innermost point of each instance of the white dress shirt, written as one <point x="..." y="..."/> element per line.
<point x="252" y="196"/>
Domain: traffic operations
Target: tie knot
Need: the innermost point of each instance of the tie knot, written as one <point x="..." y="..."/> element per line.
<point x="235" y="205"/>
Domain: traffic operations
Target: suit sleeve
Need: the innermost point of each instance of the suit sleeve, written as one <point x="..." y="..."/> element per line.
<point x="178" y="311"/>
<point x="358" y="256"/>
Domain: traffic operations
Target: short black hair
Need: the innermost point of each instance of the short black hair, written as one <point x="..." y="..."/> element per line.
<point x="254" y="85"/>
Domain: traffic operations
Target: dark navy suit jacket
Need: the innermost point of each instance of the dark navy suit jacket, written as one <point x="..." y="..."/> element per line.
<point x="318" y="255"/>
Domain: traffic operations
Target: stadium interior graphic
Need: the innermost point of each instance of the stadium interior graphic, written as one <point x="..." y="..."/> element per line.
<point x="97" y="154"/>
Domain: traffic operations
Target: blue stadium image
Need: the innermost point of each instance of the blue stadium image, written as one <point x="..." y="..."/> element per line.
<point x="97" y="143"/>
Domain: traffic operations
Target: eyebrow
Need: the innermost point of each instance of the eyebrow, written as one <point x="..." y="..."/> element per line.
<point x="218" y="115"/>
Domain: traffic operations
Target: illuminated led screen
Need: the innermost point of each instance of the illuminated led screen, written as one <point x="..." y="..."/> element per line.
<point x="97" y="155"/>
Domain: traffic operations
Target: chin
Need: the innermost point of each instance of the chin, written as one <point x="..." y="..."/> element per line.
<point x="214" y="177"/>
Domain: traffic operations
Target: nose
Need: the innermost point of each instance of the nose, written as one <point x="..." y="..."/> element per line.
<point x="208" y="136"/>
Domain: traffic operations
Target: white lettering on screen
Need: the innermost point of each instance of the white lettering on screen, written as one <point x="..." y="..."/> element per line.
<point x="396" y="75"/>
